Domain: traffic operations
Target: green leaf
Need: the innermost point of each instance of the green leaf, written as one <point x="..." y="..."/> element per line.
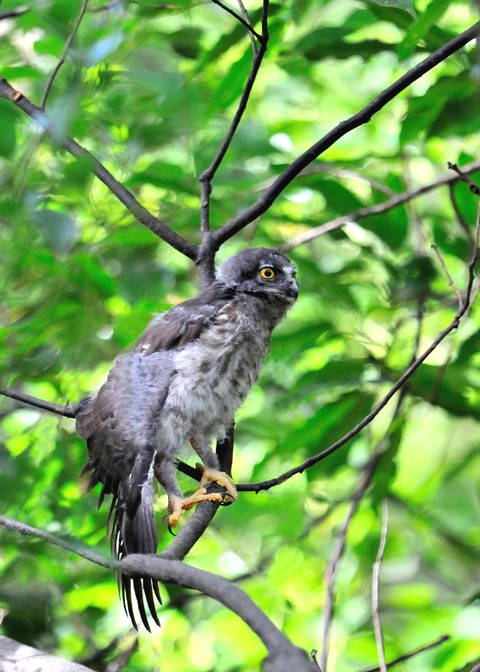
<point x="432" y="14"/>
<point x="8" y="135"/>
<point x="405" y="5"/>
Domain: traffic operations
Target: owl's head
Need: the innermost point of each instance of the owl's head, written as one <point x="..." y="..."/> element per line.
<point x="261" y="271"/>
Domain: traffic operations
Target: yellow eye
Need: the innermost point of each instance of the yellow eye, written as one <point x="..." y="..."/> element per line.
<point x="268" y="273"/>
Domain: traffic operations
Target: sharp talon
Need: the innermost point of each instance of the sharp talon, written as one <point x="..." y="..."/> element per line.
<point x="177" y="505"/>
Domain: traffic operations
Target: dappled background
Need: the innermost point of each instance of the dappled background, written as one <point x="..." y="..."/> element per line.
<point x="150" y="89"/>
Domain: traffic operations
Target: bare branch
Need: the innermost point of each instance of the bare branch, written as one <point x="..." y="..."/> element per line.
<point x="19" y="657"/>
<point x="209" y="173"/>
<point x="64" y="53"/>
<point x="378" y="208"/>
<point x="281" y="651"/>
<point x="294" y="169"/>
<point x="67" y="411"/>
<point x="474" y="188"/>
<point x="125" y="196"/>
<point x="377" y="625"/>
<point x="451" y="283"/>
<point x="331" y="571"/>
<point x="409" y="371"/>
<point x="71" y="546"/>
<point x="406" y="656"/>
<point x="283" y="655"/>
<point x="246" y="16"/>
<point x="12" y="13"/>
<point x="239" y="18"/>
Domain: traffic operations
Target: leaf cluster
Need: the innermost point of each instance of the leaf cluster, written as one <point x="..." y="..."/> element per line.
<point x="150" y="90"/>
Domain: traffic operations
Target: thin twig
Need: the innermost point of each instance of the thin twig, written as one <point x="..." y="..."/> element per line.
<point x="209" y="173"/>
<point x="378" y="208"/>
<point x="125" y="196"/>
<point x="13" y="13"/>
<point x="458" y="214"/>
<point x="71" y="546"/>
<point x="239" y="18"/>
<point x="64" y="53"/>
<point x="246" y="16"/>
<point x="411" y="654"/>
<point x="451" y="283"/>
<point x="409" y="371"/>
<point x="406" y="375"/>
<point x="362" y="117"/>
<point x="474" y="188"/>
<point x="67" y="411"/>
<point x="377" y="624"/>
<point x="332" y="568"/>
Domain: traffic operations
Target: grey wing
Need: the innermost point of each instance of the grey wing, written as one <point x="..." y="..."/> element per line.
<point x="120" y="427"/>
<point x="184" y="323"/>
<point x="120" y="431"/>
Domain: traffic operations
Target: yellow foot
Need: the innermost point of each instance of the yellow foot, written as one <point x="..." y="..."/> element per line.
<point x="177" y="505"/>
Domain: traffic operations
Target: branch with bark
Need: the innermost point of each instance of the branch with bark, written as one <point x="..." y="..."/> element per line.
<point x="168" y="567"/>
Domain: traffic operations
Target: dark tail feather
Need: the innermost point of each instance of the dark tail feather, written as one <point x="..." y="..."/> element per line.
<point x="133" y="531"/>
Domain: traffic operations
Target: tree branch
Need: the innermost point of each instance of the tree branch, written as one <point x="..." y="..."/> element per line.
<point x="64" y="53"/>
<point x="125" y="196"/>
<point x="283" y="655"/>
<point x="10" y="14"/>
<point x="294" y="169"/>
<point x="209" y="244"/>
<point x="378" y="208"/>
<point x="18" y="657"/>
<point x="239" y="18"/>
<point x="71" y="546"/>
<point x="377" y="624"/>
<point x="410" y="370"/>
<point x="67" y="411"/>
<point x="411" y="654"/>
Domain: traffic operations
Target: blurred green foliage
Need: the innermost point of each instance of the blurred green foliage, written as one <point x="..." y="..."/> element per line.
<point x="150" y="90"/>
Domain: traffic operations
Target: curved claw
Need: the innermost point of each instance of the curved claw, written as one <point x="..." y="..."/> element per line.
<point x="177" y="505"/>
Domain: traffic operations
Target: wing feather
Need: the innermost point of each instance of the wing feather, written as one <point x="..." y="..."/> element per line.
<point x="120" y="428"/>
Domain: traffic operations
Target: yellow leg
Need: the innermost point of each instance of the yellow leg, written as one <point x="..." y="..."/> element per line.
<point x="176" y="505"/>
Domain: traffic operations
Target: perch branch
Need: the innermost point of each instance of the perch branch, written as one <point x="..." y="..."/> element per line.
<point x="283" y="655"/>
<point x="378" y="208"/>
<point x="176" y="572"/>
<point x="125" y="196"/>
<point x="406" y="375"/>
<point x="362" y="117"/>
<point x="64" y="53"/>
<point x="311" y="461"/>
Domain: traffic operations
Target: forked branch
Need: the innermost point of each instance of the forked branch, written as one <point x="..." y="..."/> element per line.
<point x="294" y="169"/>
<point x="283" y="655"/>
<point x="125" y="196"/>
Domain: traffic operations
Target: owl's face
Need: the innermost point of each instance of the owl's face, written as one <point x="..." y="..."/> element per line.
<point x="259" y="270"/>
